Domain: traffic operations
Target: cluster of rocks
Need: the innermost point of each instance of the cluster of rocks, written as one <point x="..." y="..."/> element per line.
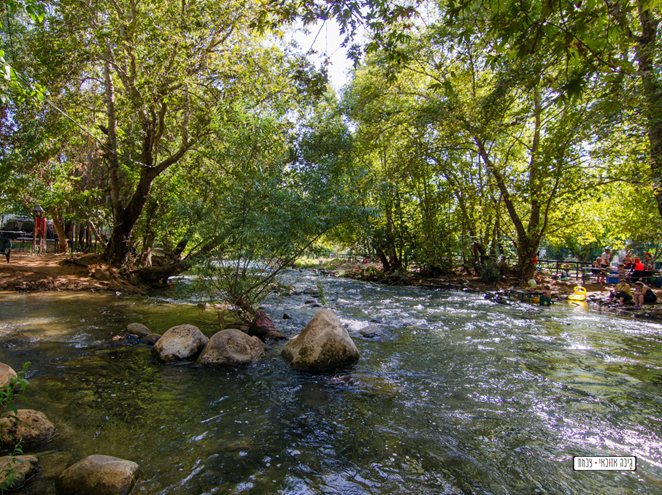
<point x="93" y="475"/>
<point x="323" y="345"/>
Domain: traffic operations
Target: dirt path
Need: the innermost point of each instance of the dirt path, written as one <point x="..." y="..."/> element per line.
<point x="59" y="272"/>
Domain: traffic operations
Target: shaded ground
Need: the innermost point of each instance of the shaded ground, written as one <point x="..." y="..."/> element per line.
<point x="59" y="272"/>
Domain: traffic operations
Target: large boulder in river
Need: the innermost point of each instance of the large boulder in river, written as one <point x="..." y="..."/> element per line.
<point x="31" y="428"/>
<point x="231" y="347"/>
<point x="7" y="374"/>
<point x="98" y="475"/>
<point x="21" y="467"/>
<point x="323" y="345"/>
<point x="180" y="342"/>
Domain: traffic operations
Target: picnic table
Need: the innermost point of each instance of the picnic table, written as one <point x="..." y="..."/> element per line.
<point x="568" y="265"/>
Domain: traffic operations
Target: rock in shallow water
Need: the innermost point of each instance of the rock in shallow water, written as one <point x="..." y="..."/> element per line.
<point x="7" y="373"/>
<point x="263" y="328"/>
<point x="371" y="331"/>
<point x="324" y="345"/>
<point x="23" y="468"/>
<point x="138" y="329"/>
<point x="98" y="475"/>
<point x="31" y="428"/>
<point x="180" y="342"/>
<point x="231" y="347"/>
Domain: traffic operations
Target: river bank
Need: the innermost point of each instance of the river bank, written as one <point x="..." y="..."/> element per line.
<point x="28" y="272"/>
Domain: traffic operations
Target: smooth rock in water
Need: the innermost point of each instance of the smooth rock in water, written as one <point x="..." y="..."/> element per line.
<point x="180" y="342"/>
<point x="263" y="328"/>
<point x="286" y="316"/>
<point x="323" y="345"/>
<point x="31" y="428"/>
<point x="230" y="347"/>
<point x="98" y="475"/>
<point x="138" y="329"/>
<point x="7" y="374"/>
<point x="22" y="466"/>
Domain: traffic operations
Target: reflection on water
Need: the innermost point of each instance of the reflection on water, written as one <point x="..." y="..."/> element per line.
<point x="458" y="394"/>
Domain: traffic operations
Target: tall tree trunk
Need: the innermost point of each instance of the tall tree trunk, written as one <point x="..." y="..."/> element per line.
<point x="645" y="55"/>
<point x="59" y="226"/>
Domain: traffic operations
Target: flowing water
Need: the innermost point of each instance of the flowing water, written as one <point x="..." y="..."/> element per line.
<point x="456" y="395"/>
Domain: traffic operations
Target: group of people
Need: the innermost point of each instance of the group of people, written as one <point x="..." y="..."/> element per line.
<point x="642" y="294"/>
<point x="629" y="268"/>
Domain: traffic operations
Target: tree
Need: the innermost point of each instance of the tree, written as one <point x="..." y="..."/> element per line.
<point x="163" y="74"/>
<point x="270" y="192"/>
<point x="616" y="41"/>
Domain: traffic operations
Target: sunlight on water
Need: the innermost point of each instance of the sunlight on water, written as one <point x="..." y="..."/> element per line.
<point x="453" y="393"/>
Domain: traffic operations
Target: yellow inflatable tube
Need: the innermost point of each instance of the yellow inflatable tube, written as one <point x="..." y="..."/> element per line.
<point x="579" y="294"/>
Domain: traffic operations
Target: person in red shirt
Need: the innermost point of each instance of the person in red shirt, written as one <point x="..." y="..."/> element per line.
<point x="637" y="269"/>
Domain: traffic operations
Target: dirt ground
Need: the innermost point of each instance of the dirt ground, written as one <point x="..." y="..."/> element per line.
<point x="59" y="272"/>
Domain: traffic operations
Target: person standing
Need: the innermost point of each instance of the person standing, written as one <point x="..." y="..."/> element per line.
<point x="649" y="262"/>
<point x="606" y="257"/>
<point x="5" y="247"/>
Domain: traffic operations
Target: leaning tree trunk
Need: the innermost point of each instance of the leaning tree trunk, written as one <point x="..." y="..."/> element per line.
<point x="120" y="242"/>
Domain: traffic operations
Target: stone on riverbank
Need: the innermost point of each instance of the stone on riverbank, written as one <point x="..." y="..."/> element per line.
<point x="7" y="374"/>
<point x="23" y="468"/>
<point x="98" y="475"/>
<point x="323" y="345"/>
<point x="138" y="329"/>
<point x="231" y="347"/>
<point x="180" y="342"/>
<point x="31" y="428"/>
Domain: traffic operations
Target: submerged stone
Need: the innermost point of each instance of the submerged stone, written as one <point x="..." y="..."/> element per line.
<point x="371" y="331"/>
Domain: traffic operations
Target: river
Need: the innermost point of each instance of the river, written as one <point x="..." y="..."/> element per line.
<point x="457" y="394"/>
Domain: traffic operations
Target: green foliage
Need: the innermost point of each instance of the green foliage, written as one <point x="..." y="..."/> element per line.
<point x="270" y="194"/>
